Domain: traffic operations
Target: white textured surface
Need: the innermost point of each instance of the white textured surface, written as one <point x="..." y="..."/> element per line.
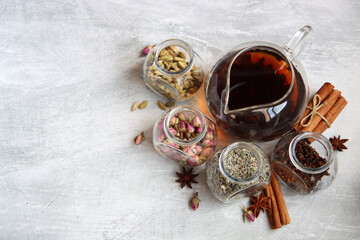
<point x="69" y="72"/>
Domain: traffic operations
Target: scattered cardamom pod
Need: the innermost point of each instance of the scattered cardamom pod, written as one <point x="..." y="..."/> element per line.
<point x="170" y="104"/>
<point x="143" y="104"/>
<point x="139" y="139"/>
<point x="134" y="106"/>
<point x="161" y="105"/>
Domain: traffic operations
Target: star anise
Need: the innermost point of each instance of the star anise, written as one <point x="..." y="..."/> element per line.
<point x="186" y="178"/>
<point x="260" y="202"/>
<point x="338" y="144"/>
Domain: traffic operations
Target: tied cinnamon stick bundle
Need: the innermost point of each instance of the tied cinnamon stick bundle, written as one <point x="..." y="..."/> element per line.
<point x="322" y="110"/>
<point x="331" y="115"/>
<point x="323" y="92"/>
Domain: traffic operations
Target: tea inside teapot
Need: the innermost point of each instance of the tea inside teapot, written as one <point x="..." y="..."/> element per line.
<point x="257" y="77"/>
<point x="256" y="93"/>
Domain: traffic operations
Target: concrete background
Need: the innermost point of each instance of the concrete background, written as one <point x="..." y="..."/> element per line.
<point x="69" y="73"/>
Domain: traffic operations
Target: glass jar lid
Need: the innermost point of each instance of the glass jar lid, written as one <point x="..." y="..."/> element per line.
<point x="241" y="162"/>
<point x="320" y="144"/>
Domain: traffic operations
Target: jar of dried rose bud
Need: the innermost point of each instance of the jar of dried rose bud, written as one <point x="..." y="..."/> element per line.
<point x="305" y="162"/>
<point x="185" y="135"/>
<point x="240" y="170"/>
<point x="173" y="70"/>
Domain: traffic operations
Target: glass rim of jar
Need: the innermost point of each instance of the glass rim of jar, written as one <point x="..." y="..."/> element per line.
<point x="324" y="142"/>
<point x="262" y="46"/>
<point x="249" y="146"/>
<point x="184" y="108"/>
<point x="178" y="43"/>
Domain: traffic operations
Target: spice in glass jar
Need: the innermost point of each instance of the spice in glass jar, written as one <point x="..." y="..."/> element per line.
<point x="172" y="69"/>
<point x="240" y="170"/>
<point x="304" y="162"/>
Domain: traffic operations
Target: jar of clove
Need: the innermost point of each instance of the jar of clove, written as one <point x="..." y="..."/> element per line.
<point x="173" y="70"/>
<point x="305" y="162"/>
<point x="239" y="170"/>
<point x="185" y="135"/>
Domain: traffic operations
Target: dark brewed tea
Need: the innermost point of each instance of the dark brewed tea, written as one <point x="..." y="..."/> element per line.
<point x="257" y="77"/>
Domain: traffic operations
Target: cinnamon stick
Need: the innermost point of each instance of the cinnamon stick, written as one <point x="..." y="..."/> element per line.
<point x="331" y="115"/>
<point x="270" y="211"/>
<point x="323" y="92"/>
<point x="330" y="101"/>
<point x="284" y="215"/>
<point x="275" y="211"/>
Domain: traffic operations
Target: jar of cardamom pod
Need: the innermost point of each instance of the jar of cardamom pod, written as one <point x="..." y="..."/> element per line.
<point x="241" y="169"/>
<point x="172" y="69"/>
<point x="185" y="135"/>
<point x="305" y="162"/>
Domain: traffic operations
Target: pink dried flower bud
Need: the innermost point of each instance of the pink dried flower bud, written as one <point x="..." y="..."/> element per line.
<point x="206" y="153"/>
<point x="146" y="50"/>
<point x="182" y="127"/>
<point x="198" y="149"/>
<point x="211" y="127"/>
<point x="195" y="202"/>
<point x="190" y="128"/>
<point x="209" y="143"/>
<point x="196" y="122"/>
<point x="161" y="124"/>
<point x="196" y="158"/>
<point x="209" y="135"/>
<point x="161" y="136"/>
<point x="139" y="139"/>
<point x="248" y="214"/>
<point x="172" y="145"/>
<point x="188" y="150"/>
<point x="187" y="135"/>
<point x="182" y="116"/>
<point x="199" y="129"/>
<point x="173" y="131"/>
<point x="191" y="162"/>
<point x="174" y="120"/>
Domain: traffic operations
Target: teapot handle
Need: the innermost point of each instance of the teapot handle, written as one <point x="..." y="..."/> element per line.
<point x="298" y="41"/>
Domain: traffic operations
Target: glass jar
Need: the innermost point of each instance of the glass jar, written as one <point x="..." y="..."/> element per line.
<point x="173" y="70"/>
<point x="304" y="161"/>
<point x="185" y="135"/>
<point x="239" y="170"/>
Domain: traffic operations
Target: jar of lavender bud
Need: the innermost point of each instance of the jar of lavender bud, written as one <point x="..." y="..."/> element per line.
<point x="241" y="169"/>
<point x="185" y="135"/>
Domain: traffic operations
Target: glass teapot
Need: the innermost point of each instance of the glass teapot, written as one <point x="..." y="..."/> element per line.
<point x="258" y="90"/>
